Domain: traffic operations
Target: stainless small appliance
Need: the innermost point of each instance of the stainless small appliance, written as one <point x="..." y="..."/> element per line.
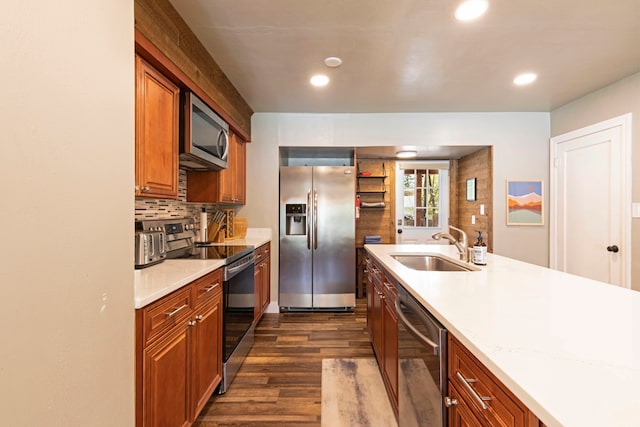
<point x="204" y="136"/>
<point x="150" y="248"/>
<point x="238" y="293"/>
<point x="317" y="237"/>
<point x="422" y="365"/>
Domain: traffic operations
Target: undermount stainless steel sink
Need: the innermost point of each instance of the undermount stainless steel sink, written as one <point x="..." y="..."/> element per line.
<point x="431" y="263"/>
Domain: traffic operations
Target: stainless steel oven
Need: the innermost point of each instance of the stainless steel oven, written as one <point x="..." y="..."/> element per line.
<point x="422" y="365"/>
<point x="238" y="296"/>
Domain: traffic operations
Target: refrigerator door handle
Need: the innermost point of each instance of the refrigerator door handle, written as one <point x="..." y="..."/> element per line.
<point x="315" y="219"/>
<point x="308" y="222"/>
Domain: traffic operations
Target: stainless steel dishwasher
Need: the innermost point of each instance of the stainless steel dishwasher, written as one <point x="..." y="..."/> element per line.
<point x="422" y="365"/>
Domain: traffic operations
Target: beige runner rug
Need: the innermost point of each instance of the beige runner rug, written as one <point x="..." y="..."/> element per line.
<point x="353" y="394"/>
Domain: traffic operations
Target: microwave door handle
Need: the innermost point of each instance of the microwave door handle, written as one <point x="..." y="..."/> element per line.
<point x="222" y="136"/>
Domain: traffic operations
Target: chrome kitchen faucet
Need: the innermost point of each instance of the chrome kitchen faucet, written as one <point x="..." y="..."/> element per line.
<point x="460" y="245"/>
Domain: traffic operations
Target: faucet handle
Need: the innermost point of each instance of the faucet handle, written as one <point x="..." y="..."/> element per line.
<point x="462" y="235"/>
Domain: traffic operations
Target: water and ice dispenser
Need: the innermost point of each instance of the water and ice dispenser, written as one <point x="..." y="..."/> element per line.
<point x="296" y="219"/>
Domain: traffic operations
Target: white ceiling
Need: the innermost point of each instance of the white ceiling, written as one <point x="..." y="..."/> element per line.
<point x="413" y="56"/>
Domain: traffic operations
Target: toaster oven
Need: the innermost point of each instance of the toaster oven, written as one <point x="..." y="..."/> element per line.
<point x="150" y="248"/>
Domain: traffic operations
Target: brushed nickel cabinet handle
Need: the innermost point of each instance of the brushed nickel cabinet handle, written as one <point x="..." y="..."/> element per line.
<point x="191" y="323"/>
<point x="174" y="312"/>
<point x="449" y="402"/>
<point x="212" y="287"/>
<point x="475" y="395"/>
<point x="199" y="317"/>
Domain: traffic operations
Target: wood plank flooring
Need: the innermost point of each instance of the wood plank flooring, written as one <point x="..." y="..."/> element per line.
<point x="279" y="381"/>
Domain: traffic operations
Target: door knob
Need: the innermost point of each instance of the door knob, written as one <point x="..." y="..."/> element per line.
<point x="399" y="230"/>
<point x="613" y="248"/>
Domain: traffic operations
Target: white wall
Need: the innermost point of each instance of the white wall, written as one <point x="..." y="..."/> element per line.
<point x="615" y="100"/>
<point x="66" y="164"/>
<point x="521" y="152"/>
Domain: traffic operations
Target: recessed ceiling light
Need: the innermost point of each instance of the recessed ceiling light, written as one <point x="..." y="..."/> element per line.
<point x="525" y="79"/>
<point x="332" y="62"/>
<point x="471" y="9"/>
<point x="319" y="80"/>
<point x="406" y="154"/>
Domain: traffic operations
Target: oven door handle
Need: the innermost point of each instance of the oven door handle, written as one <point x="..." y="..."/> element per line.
<point x="412" y="329"/>
<point x="232" y="271"/>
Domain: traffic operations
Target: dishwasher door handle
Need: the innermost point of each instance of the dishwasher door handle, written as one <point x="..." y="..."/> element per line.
<point x="412" y="329"/>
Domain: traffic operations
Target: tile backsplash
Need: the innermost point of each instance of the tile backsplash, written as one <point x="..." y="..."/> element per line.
<point x="147" y="208"/>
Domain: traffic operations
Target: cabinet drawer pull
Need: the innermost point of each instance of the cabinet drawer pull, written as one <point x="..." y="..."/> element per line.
<point x="212" y="287"/>
<point x="475" y="395"/>
<point x="449" y="402"/>
<point x="174" y="312"/>
<point x="199" y="317"/>
<point x="146" y="189"/>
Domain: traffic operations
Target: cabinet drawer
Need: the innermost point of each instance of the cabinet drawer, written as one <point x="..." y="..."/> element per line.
<point x="166" y="313"/>
<point x="390" y="290"/>
<point x="475" y="384"/>
<point x="262" y="253"/>
<point x="207" y="287"/>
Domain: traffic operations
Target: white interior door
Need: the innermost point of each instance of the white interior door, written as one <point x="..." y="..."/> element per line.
<point x="590" y="202"/>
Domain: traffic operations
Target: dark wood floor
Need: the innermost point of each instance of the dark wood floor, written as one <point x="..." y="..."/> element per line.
<point x="279" y="381"/>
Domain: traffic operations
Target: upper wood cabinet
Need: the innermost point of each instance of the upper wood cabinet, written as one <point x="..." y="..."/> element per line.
<point x="224" y="186"/>
<point x="157" y="127"/>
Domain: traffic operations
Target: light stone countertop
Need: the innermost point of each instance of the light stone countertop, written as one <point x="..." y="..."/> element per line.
<point x="156" y="281"/>
<point x="567" y="346"/>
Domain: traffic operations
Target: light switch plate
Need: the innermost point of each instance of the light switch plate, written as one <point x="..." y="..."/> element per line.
<point x="481" y="209"/>
<point x="635" y="210"/>
<point x="473" y="219"/>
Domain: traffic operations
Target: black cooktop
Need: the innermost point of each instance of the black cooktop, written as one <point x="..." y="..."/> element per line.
<point x="229" y="253"/>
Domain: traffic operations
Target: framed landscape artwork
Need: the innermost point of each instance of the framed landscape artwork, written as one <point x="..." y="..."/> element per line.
<point x="524" y="203"/>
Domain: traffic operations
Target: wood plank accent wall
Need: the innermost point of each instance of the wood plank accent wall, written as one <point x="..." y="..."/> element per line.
<point x="477" y="165"/>
<point x="161" y="24"/>
<point x="379" y="222"/>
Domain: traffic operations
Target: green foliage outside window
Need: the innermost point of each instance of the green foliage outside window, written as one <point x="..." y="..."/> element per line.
<point x="421" y="202"/>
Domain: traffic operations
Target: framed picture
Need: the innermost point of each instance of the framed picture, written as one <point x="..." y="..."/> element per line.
<point x="471" y="189"/>
<point x="525" y="203"/>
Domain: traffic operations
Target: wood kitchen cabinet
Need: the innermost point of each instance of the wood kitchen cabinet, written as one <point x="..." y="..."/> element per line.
<point x="262" y="280"/>
<point x="157" y="103"/>
<point x="382" y="324"/>
<point x="374" y="307"/>
<point x="480" y="398"/>
<point x="460" y="414"/>
<point x="179" y="353"/>
<point x="223" y="186"/>
<point x="390" y="341"/>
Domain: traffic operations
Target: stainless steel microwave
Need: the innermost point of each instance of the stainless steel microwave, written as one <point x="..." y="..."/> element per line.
<point x="204" y="136"/>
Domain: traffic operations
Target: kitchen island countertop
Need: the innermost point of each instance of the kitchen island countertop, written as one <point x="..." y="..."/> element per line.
<point x="568" y="347"/>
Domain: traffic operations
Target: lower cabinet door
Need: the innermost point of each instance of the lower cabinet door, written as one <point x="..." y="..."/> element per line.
<point x="166" y="366"/>
<point x="390" y="334"/>
<point x="265" y="297"/>
<point x="460" y="414"/>
<point x="207" y="353"/>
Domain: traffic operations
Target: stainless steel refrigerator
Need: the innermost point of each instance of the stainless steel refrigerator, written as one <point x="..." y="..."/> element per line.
<point x="317" y="237"/>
